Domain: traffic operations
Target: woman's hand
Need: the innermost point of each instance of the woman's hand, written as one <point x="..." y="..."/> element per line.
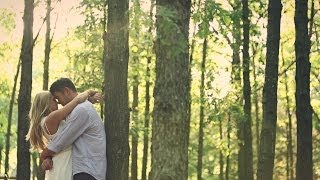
<point x="81" y="97"/>
<point x="96" y="98"/>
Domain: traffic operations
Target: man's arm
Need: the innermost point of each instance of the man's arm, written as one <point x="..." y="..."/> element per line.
<point x="76" y="124"/>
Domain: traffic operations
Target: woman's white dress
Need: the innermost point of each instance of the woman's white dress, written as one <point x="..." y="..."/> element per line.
<point x="62" y="162"/>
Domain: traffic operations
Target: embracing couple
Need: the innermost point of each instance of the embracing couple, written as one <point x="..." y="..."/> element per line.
<point x="72" y="139"/>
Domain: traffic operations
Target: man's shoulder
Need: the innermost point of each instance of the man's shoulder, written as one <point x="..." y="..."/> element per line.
<point x="81" y="107"/>
<point x="85" y="104"/>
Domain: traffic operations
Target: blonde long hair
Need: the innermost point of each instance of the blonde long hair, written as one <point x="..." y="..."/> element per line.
<point x="40" y="109"/>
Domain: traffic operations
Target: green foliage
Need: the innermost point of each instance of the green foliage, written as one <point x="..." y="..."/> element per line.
<point x="88" y="59"/>
<point x="4" y="109"/>
<point x="140" y="50"/>
<point x="7" y="20"/>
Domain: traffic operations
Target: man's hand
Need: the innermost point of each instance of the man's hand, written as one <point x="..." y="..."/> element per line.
<point x="47" y="164"/>
<point x="46" y="153"/>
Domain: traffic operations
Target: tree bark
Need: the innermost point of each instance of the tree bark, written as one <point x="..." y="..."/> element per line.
<point x="171" y="115"/>
<point x="47" y="48"/>
<point x="116" y="89"/>
<point x="202" y="109"/>
<point x="269" y="122"/>
<point x="24" y="98"/>
<point x="245" y="164"/>
<point x="256" y="105"/>
<point x="304" y="111"/>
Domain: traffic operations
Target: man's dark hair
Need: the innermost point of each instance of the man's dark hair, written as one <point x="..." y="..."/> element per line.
<point x="60" y="84"/>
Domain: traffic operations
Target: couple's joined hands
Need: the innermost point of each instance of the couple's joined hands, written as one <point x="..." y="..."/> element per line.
<point x="47" y="164"/>
<point x="92" y="96"/>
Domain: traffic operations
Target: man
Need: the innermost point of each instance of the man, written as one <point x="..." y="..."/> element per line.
<point x="84" y="130"/>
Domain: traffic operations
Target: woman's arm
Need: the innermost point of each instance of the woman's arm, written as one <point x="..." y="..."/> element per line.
<point x="54" y="118"/>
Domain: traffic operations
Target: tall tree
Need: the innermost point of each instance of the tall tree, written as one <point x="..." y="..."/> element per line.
<point x="8" y="135"/>
<point x="104" y="50"/>
<point x="303" y="111"/>
<point x="221" y="151"/>
<point x="202" y="108"/>
<point x="24" y="98"/>
<point x="289" y="166"/>
<point x="256" y="96"/>
<point x="245" y="159"/>
<point x="171" y="115"/>
<point x="136" y="28"/>
<point x="227" y="170"/>
<point x="116" y="91"/>
<point x="134" y="133"/>
<point x="235" y="45"/>
<point x="47" y="48"/>
<point x="269" y="121"/>
<point x="147" y="99"/>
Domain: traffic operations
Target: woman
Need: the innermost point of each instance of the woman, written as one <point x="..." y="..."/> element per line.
<point x="46" y="120"/>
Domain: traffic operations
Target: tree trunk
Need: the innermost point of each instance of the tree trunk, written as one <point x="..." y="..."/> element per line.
<point x="47" y="48"/>
<point x="202" y="106"/>
<point x="135" y="112"/>
<point x="40" y="173"/>
<point x="116" y="90"/>
<point x="228" y="146"/>
<point x="135" y="137"/>
<point x="221" y="163"/>
<point x="245" y="164"/>
<point x="235" y="46"/>
<point x="35" y="168"/>
<point x="235" y="78"/>
<point x="147" y="106"/>
<point x="256" y="105"/>
<point x="8" y="135"/>
<point x="289" y="165"/>
<point x="146" y="124"/>
<point x="269" y="122"/>
<point x="24" y="98"/>
<point x="303" y="112"/>
<point x="104" y="51"/>
<point x="171" y="115"/>
<point x="1" y="148"/>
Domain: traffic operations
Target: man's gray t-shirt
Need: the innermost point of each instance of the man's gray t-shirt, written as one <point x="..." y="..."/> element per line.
<point x="84" y="129"/>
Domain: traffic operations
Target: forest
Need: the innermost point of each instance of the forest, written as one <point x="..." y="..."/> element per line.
<point x="193" y="89"/>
